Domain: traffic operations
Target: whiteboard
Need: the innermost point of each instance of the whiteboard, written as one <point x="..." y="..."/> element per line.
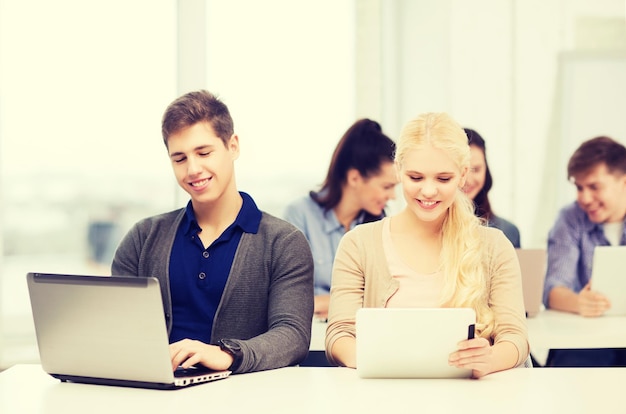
<point x="593" y="103"/>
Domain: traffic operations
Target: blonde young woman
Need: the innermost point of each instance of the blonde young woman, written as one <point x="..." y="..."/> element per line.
<point x="434" y="253"/>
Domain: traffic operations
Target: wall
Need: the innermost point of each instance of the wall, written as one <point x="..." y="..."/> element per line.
<point x="290" y="86"/>
<point x="494" y="65"/>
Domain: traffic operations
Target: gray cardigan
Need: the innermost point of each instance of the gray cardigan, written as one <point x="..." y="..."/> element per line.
<point x="267" y="304"/>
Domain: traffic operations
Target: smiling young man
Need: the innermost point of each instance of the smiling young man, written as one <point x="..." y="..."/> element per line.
<point x="237" y="283"/>
<point x="598" y="170"/>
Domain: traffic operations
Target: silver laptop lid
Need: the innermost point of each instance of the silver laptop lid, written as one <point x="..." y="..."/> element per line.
<point x="100" y="327"/>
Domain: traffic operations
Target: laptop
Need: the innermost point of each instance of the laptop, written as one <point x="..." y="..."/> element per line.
<point x="608" y="276"/>
<point x="107" y="330"/>
<point x="533" y="263"/>
<point x="411" y="342"/>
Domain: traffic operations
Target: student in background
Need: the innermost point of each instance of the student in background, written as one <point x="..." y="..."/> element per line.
<point x="237" y="283"/>
<point x="434" y="253"/>
<point x="479" y="183"/>
<point x="598" y="170"/>
<point x="361" y="179"/>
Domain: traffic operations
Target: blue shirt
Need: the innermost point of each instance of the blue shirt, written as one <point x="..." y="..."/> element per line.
<point x="323" y="232"/>
<point x="571" y="242"/>
<point x="198" y="275"/>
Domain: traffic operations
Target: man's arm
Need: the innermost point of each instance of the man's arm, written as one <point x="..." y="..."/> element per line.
<point x="566" y="287"/>
<point x="564" y="299"/>
<point x="563" y="256"/>
<point x="290" y="309"/>
<point x="585" y="303"/>
<point x="267" y="306"/>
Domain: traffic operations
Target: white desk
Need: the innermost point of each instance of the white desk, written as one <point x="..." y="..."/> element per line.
<point x="552" y="329"/>
<point x="318" y="336"/>
<point x="26" y="389"/>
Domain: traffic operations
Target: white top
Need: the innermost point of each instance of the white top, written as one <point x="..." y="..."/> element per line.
<point x="613" y="232"/>
<point x="26" y="389"/>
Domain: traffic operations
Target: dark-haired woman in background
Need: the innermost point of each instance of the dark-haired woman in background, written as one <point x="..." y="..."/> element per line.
<point x="361" y="179"/>
<point x="479" y="183"/>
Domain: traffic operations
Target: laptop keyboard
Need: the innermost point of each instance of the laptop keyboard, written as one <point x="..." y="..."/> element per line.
<point x="191" y="371"/>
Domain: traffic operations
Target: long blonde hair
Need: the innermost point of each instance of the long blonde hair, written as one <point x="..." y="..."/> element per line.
<point x="462" y="258"/>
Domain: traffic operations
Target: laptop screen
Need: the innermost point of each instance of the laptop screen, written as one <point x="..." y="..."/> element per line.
<point x="101" y="327"/>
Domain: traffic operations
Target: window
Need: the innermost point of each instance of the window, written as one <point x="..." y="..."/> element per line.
<point x="83" y="91"/>
<point x="83" y="88"/>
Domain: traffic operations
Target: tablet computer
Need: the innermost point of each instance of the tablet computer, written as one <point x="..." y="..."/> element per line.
<point x="411" y="342"/>
<point x="608" y="276"/>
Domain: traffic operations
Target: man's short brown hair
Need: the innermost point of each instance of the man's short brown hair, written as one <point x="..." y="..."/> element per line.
<point x="596" y="151"/>
<point x="195" y="107"/>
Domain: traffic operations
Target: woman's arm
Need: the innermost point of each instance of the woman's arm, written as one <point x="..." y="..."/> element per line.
<point x="510" y="336"/>
<point x="344" y="351"/>
<point x="346" y="297"/>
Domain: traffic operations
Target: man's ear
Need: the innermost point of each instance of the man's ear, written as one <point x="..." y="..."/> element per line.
<point x="233" y="146"/>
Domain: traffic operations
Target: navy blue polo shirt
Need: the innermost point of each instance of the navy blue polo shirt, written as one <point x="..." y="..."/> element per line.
<point x="198" y="275"/>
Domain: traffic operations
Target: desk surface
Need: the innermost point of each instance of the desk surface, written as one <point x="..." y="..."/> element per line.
<point x="318" y="335"/>
<point x="27" y="389"/>
<point x="553" y="329"/>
